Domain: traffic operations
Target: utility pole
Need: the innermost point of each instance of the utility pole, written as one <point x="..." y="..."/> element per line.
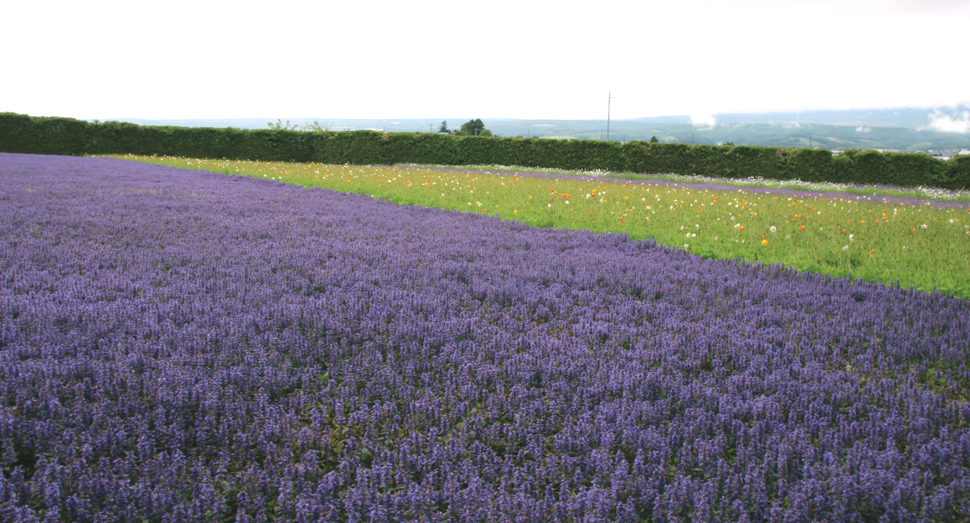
<point x="692" y="138"/>
<point x="609" y="94"/>
<point x="809" y="141"/>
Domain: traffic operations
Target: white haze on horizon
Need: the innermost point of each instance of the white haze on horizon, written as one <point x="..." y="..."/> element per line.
<point x="945" y="123"/>
<point x="703" y="119"/>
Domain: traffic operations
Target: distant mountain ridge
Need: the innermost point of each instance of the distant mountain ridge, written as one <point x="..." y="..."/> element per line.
<point x="939" y="129"/>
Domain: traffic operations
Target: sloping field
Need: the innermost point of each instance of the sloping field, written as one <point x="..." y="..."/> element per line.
<point x="911" y="238"/>
<point x="187" y="346"/>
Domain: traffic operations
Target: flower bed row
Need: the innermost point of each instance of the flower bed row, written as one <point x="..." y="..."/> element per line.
<point x="181" y="345"/>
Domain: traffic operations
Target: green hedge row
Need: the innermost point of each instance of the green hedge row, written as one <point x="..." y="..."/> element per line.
<point x="24" y="134"/>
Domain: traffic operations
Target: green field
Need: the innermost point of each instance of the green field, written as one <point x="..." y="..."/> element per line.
<point x="925" y="246"/>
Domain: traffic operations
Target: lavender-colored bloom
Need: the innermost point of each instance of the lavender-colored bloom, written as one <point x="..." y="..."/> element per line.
<point x="183" y="345"/>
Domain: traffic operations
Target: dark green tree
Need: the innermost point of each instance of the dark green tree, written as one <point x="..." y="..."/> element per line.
<point x="485" y="132"/>
<point x="444" y="127"/>
<point x="653" y="139"/>
<point x="472" y="127"/>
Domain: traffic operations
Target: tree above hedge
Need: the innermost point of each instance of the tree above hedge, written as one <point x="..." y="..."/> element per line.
<point x="473" y="127"/>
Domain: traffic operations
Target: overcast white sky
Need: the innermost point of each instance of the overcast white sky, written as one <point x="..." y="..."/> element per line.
<point x="486" y="59"/>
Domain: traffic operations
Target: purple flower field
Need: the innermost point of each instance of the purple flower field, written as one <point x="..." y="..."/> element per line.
<point x="186" y="346"/>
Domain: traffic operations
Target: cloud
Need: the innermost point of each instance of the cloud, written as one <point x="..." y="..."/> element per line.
<point x="945" y="123"/>
<point x="704" y="119"/>
<point x="863" y="129"/>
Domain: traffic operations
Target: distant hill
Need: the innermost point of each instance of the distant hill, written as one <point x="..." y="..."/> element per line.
<point x="908" y="129"/>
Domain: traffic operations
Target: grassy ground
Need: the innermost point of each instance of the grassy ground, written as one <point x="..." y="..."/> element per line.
<point x="926" y="246"/>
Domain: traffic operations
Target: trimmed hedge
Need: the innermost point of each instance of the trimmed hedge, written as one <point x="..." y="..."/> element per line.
<point x="66" y="136"/>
